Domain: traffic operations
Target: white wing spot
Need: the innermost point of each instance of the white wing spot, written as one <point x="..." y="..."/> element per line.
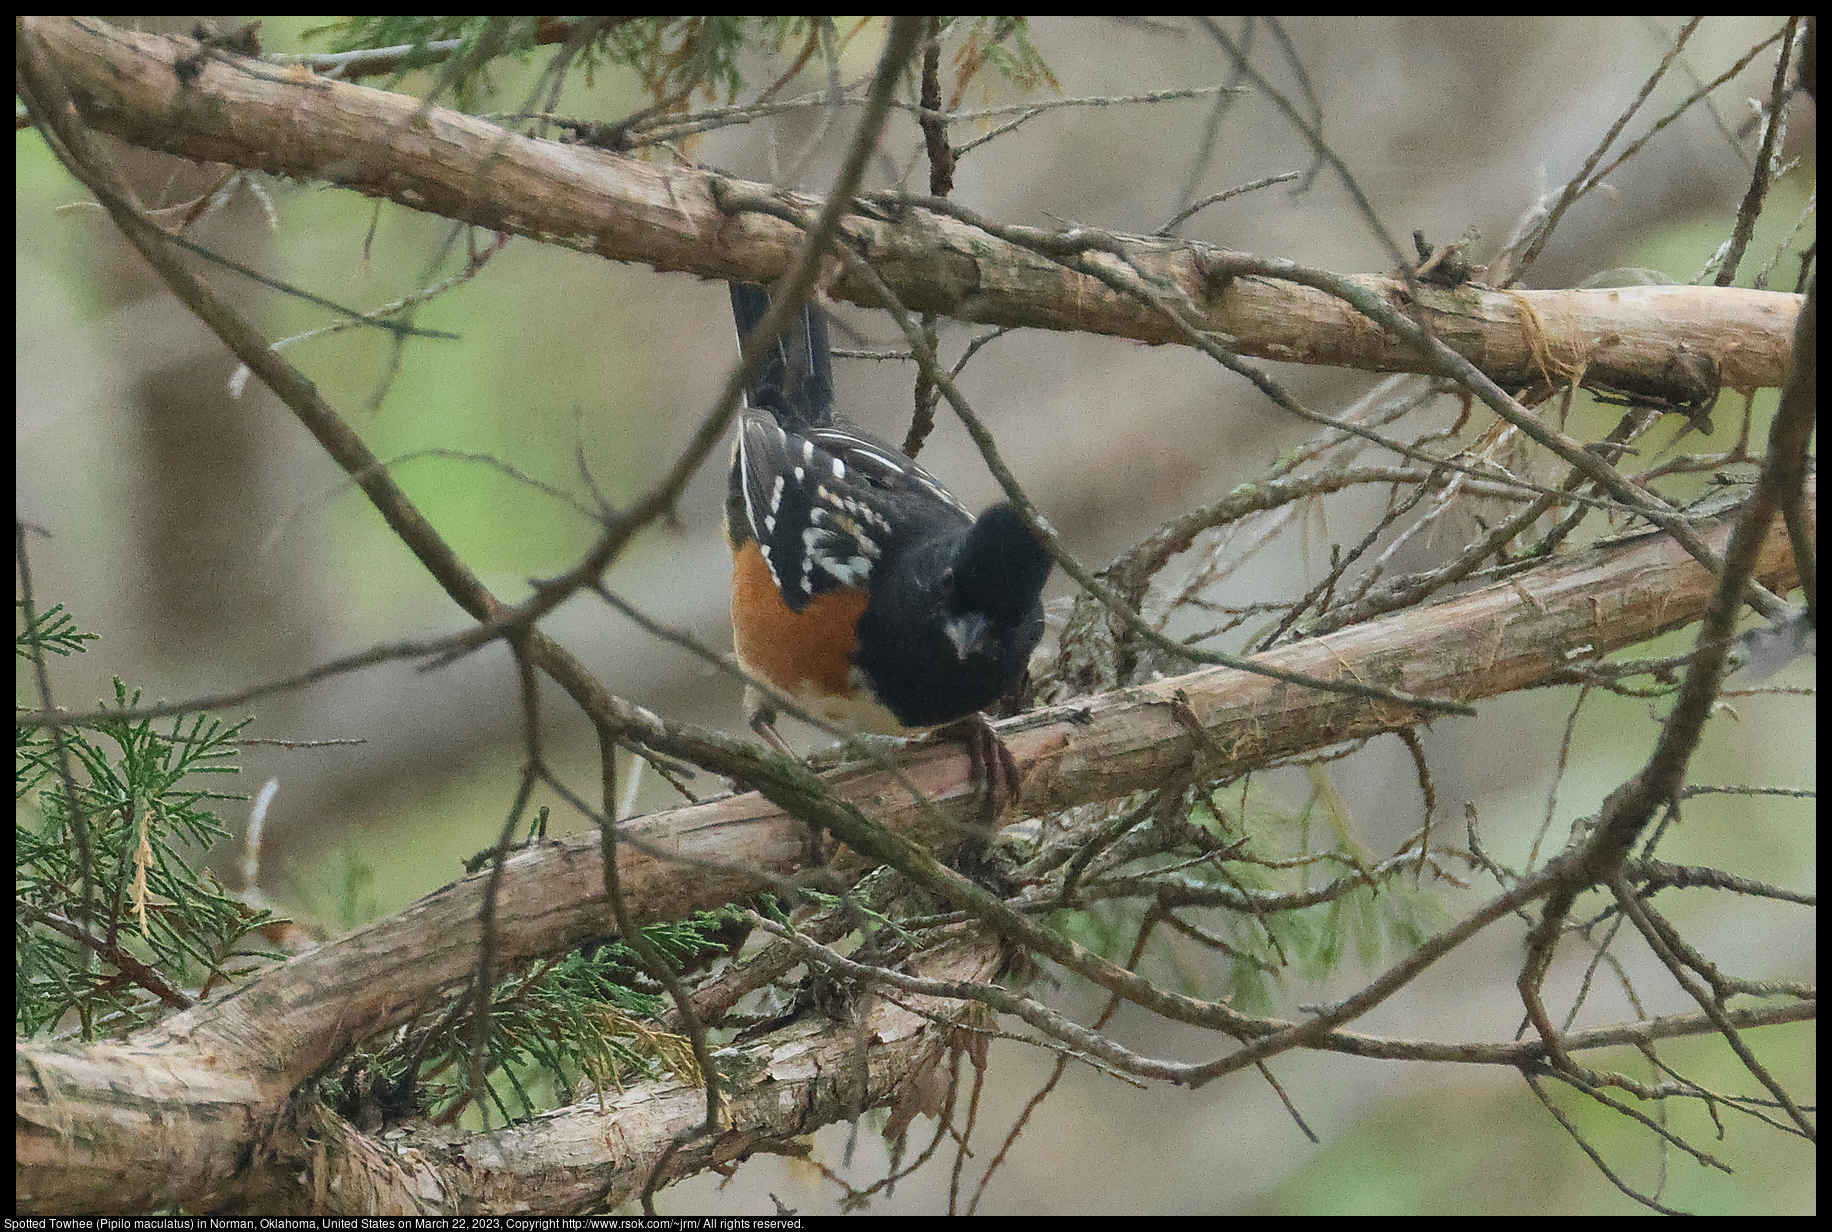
<point x="769" y="564"/>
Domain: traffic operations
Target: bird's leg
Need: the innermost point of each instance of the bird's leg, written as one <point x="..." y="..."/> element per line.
<point x="763" y="722"/>
<point x="994" y="768"/>
<point x="996" y="772"/>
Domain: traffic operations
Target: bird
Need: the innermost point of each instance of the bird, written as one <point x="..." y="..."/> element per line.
<point x="862" y="588"/>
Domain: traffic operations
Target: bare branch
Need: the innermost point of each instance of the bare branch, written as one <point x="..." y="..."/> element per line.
<point x="444" y="162"/>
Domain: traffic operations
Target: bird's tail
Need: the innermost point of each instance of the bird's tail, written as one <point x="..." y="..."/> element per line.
<point x="794" y="380"/>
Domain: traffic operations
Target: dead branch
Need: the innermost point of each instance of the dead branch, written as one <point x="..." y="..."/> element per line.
<point x="216" y="1077"/>
<point x="1661" y="342"/>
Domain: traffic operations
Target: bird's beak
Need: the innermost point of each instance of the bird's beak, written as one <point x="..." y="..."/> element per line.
<point x="967" y="633"/>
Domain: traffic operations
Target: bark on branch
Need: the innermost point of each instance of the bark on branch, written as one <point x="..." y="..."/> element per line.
<point x="1680" y="344"/>
<point x="172" y="1113"/>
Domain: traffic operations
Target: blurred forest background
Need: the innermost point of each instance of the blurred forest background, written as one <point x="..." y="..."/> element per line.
<point x="211" y="568"/>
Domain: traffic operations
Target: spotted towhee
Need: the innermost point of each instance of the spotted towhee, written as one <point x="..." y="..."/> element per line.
<point x="861" y="587"/>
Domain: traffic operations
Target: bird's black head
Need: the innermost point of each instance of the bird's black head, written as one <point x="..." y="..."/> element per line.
<point x="953" y="619"/>
<point x="999" y="570"/>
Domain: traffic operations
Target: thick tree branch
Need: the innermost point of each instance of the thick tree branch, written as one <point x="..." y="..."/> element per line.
<point x="1672" y="343"/>
<point x="596" y="1153"/>
<point x="215" y="1079"/>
